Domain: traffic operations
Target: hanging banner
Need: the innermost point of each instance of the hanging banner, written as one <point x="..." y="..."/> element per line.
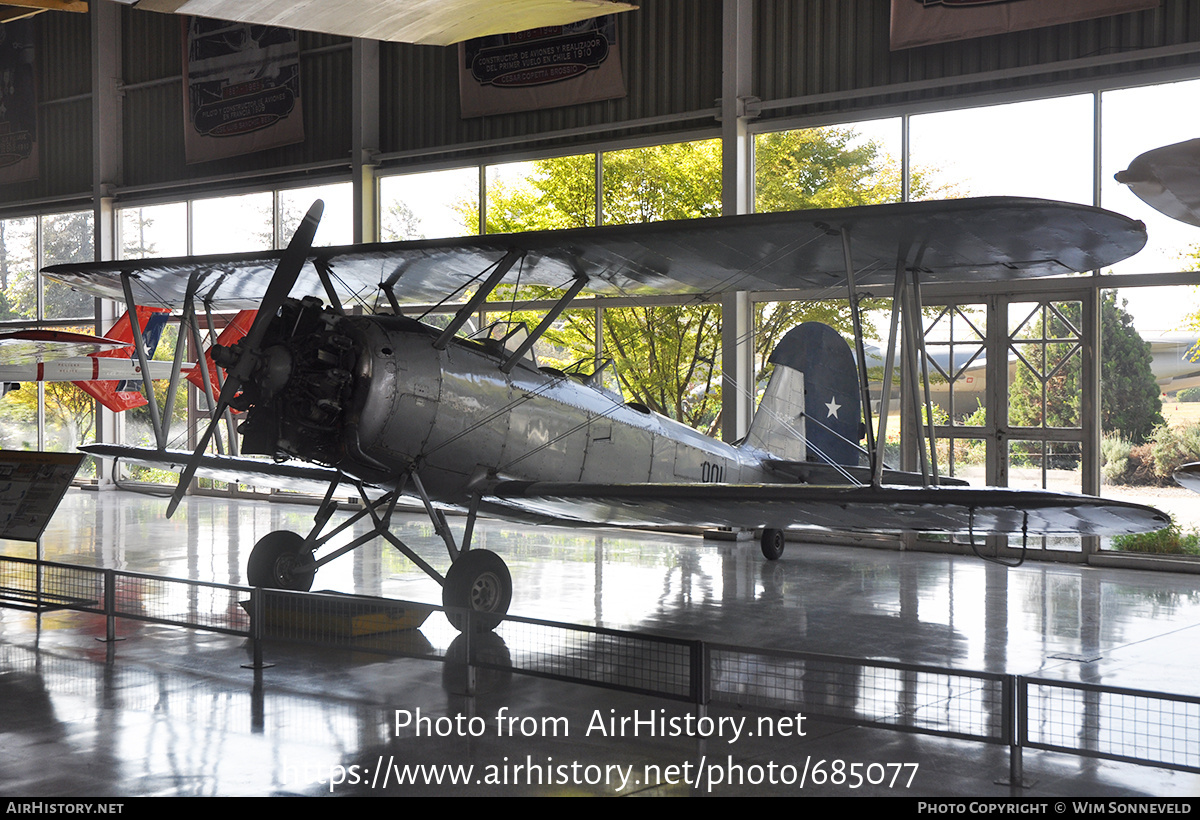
<point x="540" y="68"/>
<point x="18" y="104"/>
<point x="922" y="22"/>
<point x="241" y="89"/>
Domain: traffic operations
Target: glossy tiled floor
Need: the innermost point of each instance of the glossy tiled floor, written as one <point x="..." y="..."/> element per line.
<point x="169" y="711"/>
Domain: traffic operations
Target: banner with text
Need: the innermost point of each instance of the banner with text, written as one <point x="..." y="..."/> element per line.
<point x="540" y="68"/>
<point x="241" y="89"/>
<point x="18" y="104"/>
<point x="922" y="22"/>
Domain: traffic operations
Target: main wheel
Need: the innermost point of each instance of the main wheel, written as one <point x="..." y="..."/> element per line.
<point x="478" y="581"/>
<point x="772" y="544"/>
<point x="274" y="559"/>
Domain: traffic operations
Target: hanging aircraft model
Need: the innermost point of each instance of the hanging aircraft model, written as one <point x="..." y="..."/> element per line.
<point x="1168" y="180"/>
<point x="105" y="367"/>
<point x="387" y="403"/>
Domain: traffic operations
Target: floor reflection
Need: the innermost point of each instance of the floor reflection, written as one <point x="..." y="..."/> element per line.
<point x="171" y="711"/>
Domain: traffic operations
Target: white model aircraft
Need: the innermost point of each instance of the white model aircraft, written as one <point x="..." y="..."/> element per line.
<point x="384" y="401"/>
<point x="105" y="367"/>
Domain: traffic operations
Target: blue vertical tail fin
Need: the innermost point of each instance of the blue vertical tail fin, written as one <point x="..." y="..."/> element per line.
<point x="811" y="409"/>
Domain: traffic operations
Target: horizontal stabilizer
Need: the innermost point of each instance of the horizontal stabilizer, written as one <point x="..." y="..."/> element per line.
<point x="810" y="472"/>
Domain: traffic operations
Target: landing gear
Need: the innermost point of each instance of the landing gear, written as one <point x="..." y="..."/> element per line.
<point x="772" y="544"/>
<point x="274" y="559"/>
<point x="478" y="581"/>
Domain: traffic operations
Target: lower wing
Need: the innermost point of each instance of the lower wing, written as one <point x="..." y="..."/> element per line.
<point x="894" y="509"/>
<point x="848" y="508"/>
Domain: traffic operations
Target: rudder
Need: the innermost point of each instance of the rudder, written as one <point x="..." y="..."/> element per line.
<point x="811" y="409"/>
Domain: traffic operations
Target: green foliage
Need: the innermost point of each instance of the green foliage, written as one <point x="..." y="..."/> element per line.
<point x="1168" y="541"/>
<point x="1188" y="394"/>
<point x="1130" y="403"/>
<point x="1116" y="460"/>
<point x="1172" y="447"/>
<point x="1153" y="463"/>
<point x="820" y="168"/>
<point x="1130" y="400"/>
<point x="668" y="358"/>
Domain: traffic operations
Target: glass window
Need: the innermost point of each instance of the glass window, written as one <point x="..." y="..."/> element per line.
<point x="1136" y="120"/>
<point x="433" y="205"/>
<point x="18" y="417"/>
<point x="829" y="167"/>
<point x="66" y="238"/>
<point x="337" y="220"/>
<point x="155" y="230"/>
<point x="18" y="269"/>
<point x="558" y="192"/>
<point x="677" y="181"/>
<point x="230" y="224"/>
<point x="1046" y="348"/>
<point x="1039" y="148"/>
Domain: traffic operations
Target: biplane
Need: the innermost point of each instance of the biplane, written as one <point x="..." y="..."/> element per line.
<point x="392" y="406"/>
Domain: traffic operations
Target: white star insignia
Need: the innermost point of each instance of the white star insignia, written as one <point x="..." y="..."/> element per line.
<point x="833" y="407"/>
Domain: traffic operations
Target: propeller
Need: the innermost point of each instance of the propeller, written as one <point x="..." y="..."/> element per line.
<point x="286" y="274"/>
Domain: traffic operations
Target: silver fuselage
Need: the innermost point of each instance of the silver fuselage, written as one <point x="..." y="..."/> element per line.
<point x="457" y="416"/>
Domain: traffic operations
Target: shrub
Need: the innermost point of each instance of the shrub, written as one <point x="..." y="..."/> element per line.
<point x="1172" y="447"/>
<point x="1168" y="541"/>
<point x="1152" y="464"/>
<point x="1116" y="464"/>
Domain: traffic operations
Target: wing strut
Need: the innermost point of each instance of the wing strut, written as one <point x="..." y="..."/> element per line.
<point x="544" y="325"/>
<point x="466" y="311"/>
<point x="139" y="345"/>
<point x="864" y="385"/>
<point x="906" y="338"/>
<point x="213" y="336"/>
<point x="885" y="392"/>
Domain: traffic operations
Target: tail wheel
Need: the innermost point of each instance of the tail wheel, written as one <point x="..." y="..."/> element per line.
<point x="274" y="559"/>
<point x="772" y="544"/>
<point x="478" y="581"/>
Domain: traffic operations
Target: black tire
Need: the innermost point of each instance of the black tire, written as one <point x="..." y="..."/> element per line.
<point x="772" y="543"/>
<point x="273" y="560"/>
<point x="479" y="581"/>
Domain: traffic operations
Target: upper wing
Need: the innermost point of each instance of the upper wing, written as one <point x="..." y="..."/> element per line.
<point x="846" y="508"/>
<point x="949" y="241"/>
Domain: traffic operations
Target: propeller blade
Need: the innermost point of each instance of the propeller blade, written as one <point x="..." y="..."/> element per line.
<point x="282" y="282"/>
<point x="286" y="274"/>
